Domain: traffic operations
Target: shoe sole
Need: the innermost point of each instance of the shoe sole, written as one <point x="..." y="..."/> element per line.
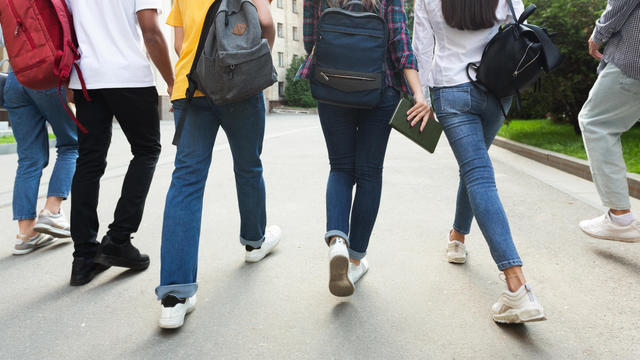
<point x="27" y="251"/>
<point x="628" y="241"/>
<point x="175" y="324"/>
<point x="120" y="262"/>
<point x="53" y="231"/>
<point x="339" y="283"/>
<point x="84" y="282"/>
<point x="525" y="316"/>
<point x="456" y="260"/>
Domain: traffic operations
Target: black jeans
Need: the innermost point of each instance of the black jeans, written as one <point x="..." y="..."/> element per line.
<point x="136" y="109"/>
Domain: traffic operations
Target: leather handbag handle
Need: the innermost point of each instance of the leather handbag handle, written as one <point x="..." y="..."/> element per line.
<point x="527" y="12"/>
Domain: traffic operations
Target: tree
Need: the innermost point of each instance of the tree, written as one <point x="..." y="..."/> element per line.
<point x="298" y="91"/>
<point x="564" y="91"/>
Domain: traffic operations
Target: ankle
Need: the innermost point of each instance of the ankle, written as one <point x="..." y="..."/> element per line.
<point x="456" y="236"/>
<point x="354" y="261"/>
<point x="619" y="212"/>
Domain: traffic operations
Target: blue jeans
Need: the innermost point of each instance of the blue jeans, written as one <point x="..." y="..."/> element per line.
<point x="471" y="119"/>
<point x="356" y="142"/>
<point x="29" y="112"/>
<point x="243" y="123"/>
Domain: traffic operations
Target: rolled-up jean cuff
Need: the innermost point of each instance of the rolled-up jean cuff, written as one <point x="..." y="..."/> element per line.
<point x="254" y="244"/>
<point x="509" y="263"/>
<point x="182" y="291"/>
<point x="25" y="217"/>
<point x="460" y="230"/>
<point x="356" y="255"/>
<point x="332" y="233"/>
<point x="63" y="196"/>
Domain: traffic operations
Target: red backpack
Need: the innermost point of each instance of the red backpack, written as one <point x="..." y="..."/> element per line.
<point x="41" y="44"/>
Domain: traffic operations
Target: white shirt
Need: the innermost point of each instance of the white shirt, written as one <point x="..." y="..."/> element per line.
<point x="443" y="52"/>
<point x="110" y="43"/>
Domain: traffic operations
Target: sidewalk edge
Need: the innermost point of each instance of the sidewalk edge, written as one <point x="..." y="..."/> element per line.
<point x="568" y="164"/>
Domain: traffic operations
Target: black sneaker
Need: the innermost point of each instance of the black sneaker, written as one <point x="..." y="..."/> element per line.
<point x="84" y="270"/>
<point x="125" y="255"/>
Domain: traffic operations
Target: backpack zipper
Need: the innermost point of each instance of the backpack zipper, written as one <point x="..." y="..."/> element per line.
<point x="351" y="32"/>
<point x="518" y="69"/>
<point x="350" y="77"/>
<point x="20" y="25"/>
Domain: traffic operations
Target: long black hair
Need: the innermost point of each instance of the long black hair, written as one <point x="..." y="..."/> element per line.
<point x="470" y="14"/>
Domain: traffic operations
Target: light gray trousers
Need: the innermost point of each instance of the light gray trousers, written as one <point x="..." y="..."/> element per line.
<point x="613" y="107"/>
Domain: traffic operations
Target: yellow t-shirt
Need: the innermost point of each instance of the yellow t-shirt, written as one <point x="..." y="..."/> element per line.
<point x="188" y="14"/>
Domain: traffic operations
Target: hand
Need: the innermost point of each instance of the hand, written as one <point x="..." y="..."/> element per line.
<point x="594" y="49"/>
<point x="170" y="90"/>
<point x="420" y="111"/>
<point x="69" y="96"/>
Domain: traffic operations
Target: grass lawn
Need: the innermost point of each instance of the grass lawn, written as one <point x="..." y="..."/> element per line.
<point x="561" y="138"/>
<point x="11" y="139"/>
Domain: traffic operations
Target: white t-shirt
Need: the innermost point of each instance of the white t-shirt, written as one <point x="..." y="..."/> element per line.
<point x="443" y="52"/>
<point x="110" y="43"/>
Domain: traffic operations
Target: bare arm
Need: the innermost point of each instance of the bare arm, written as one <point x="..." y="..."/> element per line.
<point x="421" y="111"/>
<point x="266" y="21"/>
<point x="178" y="39"/>
<point x="156" y="44"/>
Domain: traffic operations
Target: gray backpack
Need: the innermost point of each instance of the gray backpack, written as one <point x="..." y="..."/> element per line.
<point x="232" y="61"/>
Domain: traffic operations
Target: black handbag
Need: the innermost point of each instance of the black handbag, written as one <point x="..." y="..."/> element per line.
<point x="516" y="57"/>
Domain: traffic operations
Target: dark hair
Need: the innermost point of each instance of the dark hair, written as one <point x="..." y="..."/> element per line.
<point x="470" y="14"/>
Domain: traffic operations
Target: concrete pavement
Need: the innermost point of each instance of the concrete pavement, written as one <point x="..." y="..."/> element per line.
<point x="412" y="303"/>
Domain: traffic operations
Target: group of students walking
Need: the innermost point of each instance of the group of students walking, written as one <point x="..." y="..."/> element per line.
<point x="448" y="34"/>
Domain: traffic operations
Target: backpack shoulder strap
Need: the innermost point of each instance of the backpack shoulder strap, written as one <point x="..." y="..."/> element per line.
<point x="193" y="84"/>
<point x="206" y="27"/>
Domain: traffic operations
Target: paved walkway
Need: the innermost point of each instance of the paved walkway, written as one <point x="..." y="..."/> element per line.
<point x="412" y="304"/>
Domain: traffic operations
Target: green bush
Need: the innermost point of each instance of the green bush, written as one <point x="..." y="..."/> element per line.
<point x="298" y="92"/>
<point x="564" y="91"/>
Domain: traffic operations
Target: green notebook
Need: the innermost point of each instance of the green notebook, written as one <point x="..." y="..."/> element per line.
<point x="427" y="139"/>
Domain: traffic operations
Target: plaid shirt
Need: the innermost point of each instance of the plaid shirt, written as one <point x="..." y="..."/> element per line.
<point x="400" y="55"/>
<point x="619" y="29"/>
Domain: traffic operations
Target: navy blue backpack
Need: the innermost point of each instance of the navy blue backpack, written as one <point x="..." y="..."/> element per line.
<point x="349" y="58"/>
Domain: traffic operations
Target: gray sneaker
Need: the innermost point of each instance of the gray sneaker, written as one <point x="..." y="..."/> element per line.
<point x="25" y="245"/>
<point x="55" y="225"/>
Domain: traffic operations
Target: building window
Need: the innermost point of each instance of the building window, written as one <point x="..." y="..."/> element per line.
<point x="295" y="33"/>
<point x="280" y="30"/>
<point x="281" y="89"/>
<point x="281" y="59"/>
<point x="294" y="6"/>
<point x="280" y="4"/>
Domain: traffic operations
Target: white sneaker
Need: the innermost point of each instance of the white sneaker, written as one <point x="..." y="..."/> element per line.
<point x="52" y="224"/>
<point x="25" y="245"/>
<point x="356" y="272"/>
<point x="517" y="307"/>
<point x="456" y="252"/>
<point x="174" y="311"/>
<point x="603" y="228"/>
<point x="271" y="240"/>
<point x="339" y="282"/>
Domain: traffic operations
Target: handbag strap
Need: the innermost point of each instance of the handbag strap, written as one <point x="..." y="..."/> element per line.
<point x="513" y="11"/>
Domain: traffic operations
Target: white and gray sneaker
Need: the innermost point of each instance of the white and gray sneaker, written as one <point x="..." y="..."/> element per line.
<point x="603" y="228"/>
<point x="356" y="272"/>
<point x="456" y="252"/>
<point x="339" y="282"/>
<point x="517" y="307"/>
<point x="52" y="224"/>
<point x="25" y="244"/>
<point x="174" y="310"/>
<point x="271" y="240"/>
